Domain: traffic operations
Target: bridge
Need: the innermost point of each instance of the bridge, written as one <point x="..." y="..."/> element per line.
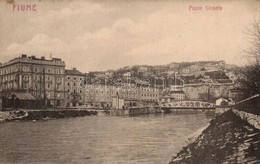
<point x="187" y="105"/>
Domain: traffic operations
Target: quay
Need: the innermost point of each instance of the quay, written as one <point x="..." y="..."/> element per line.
<point x="32" y="115"/>
<point x="136" y="111"/>
<point x="188" y="110"/>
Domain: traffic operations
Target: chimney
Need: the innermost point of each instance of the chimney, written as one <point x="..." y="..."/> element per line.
<point x="33" y="57"/>
<point x="42" y="58"/>
<point x="24" y="55"/>
<point x="74" y="68"/>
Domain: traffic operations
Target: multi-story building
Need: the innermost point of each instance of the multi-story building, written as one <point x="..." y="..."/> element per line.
<point x="177" y="95"/>
<point x="42" y="78"/>
<point x="174" y="66"/>
<point x="103" y="95"/>
<point x="48" y="80"/>
<point x="142" y="69"/>
<point x="74" y="87"/>
<point x="149" y="94"/>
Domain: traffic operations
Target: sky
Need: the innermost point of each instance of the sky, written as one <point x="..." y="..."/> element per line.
<point x="109" y="34"/>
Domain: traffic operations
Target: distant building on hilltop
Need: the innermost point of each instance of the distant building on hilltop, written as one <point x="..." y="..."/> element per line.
<point x="143" y="69"/>
<point x="174" y="67"/>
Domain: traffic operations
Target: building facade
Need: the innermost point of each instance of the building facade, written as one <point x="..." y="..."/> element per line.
<point x="49" y="81"/>
<point x="42" y="78"/>
<point x="104" y="94"/>
<point x="74" y="87"/>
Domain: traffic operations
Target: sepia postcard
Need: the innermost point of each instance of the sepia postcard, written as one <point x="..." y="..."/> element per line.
<point x="129" y="81"/>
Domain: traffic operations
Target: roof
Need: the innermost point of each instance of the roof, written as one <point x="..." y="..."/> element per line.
<point x="222" y="99"/>
<point x="73" y="72"/>
<point x="23" y="96"/>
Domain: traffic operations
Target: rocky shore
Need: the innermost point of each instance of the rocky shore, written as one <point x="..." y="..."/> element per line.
<point x="27" y="115"/>
<point x="228" y="139"/>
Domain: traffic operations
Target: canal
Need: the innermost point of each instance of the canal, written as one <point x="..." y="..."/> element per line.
<point x="93" y="139"/>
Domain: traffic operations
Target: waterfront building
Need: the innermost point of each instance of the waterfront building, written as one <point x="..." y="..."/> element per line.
<point x="39" y="77"/>
<point x="177" y="95"/>
<point x="102" y="95"/>
<point x="99" y="95"/>
<point x="149" y="94"/>
<point x="173" y="96"/>
<point x="74" y="87"/>
<point x="48" y="80"/>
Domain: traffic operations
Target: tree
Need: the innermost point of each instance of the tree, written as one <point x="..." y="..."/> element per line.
<point x="250" y="74"/>
<point x="250" y="81"/>
<point x="253" y="52"/>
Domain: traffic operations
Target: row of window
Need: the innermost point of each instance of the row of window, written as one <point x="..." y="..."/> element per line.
<point x="8" y="86"/>
<point x="150" y="100"/>
<point x="148" y="89"/>
<point x="8" y="70"/>
<point x="74" y="91"/>
<point x="74" y="78"/>
<point x="12" y="69"/>
<point x="25" y="85"/>
<point x="7" y="78"/>
<point x="151" y="95"/>
<point x="74" y="84"/>
<point x="26" y="77"/>
<point x="51" y="78"/>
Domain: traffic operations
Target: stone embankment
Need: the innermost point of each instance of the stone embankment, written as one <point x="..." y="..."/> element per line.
<point x="135" y="111"/>
<point x="27" y="115"/>
<point x="232" y="137"/>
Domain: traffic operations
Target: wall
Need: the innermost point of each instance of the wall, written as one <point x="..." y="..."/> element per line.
<point x="193" y="92"/>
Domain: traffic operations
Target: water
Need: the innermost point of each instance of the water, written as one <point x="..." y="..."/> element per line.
<point x="93" y="139"/>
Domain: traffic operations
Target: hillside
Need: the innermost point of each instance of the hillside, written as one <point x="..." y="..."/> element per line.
<point x="186" y="73"/>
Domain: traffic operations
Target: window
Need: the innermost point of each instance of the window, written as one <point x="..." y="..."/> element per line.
<point x="68" y="84"/>
<point x="58" y="71"/>
<point x="68" y="90"/>
<point x="75" y="78"/>
<point x="49" y="85"/>
<point x="74" y="84"/>
<point x="68" y="78"/>
<point x="35" y="69"/>
<point x="58" y="87"/>
<point x="49" y="70"/>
